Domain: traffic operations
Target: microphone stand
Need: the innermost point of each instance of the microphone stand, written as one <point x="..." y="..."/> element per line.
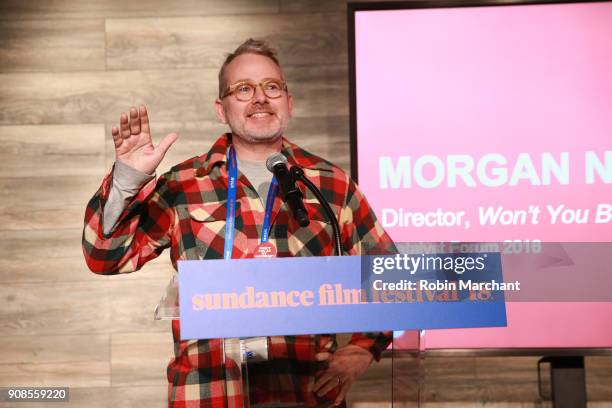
<point x="298" y="174"/>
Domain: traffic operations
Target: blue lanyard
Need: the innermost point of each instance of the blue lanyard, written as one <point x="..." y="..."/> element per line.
<point x="231" y="206"/>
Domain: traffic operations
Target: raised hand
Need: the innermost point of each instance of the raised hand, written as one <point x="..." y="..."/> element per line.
<point x="133" y="144"/>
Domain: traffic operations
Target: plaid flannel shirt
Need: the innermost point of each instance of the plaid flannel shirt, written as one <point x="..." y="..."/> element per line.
<point x="184" y="210"/>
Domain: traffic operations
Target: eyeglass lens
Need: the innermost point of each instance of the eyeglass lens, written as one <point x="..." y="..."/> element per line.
<point x="246" y="91"/>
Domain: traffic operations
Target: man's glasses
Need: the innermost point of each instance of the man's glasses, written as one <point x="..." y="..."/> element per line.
<point x="245" y="90"/>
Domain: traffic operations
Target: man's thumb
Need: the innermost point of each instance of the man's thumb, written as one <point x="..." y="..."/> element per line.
<point x="166" y="142"/>
<point x="323" y="356"/>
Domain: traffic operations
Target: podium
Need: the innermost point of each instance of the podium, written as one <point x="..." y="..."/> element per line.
<point x="281" y="301"/>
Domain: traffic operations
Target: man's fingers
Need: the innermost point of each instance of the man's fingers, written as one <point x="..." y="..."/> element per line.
<point x="327" y="374"/>
<point x="134" y="121"/>
<point x="326" y="378"/>
<point x="124" y="126"/>
<point x="166" y="142"/>
<point x="116" y="136"/>
<point x="144" y="119"/>
<point x="331" y="383"/>
<point x="321" y="381"/>
<point x="342" y="394"/>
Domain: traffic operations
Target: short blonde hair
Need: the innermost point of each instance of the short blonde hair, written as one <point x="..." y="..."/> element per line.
<point x="250" y="46"/>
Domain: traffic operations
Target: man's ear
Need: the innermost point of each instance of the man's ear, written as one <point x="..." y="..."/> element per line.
<point x="290" y="104"/>
<point x="220" y="111"/>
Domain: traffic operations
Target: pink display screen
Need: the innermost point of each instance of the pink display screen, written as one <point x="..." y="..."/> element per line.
<point x="491" y="124"/>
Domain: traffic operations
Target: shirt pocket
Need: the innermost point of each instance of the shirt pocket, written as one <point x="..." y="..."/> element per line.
<point x="208" y="221"/>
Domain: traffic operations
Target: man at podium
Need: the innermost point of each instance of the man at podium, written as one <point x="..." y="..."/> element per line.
<point x="133" y="217"/>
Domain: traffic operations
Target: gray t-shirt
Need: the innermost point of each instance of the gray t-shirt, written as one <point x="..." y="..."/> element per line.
<point x="127" y="181"/>
<point x="259" y="176"/>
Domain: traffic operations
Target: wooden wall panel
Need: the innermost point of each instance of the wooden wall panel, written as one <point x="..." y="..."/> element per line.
<point x="52" y="45"/>
<point x="109" y="397"/>
<point x="51" y="151"/>
<point x="56" y="203"/>
<point x="77" y="9"/>
<point x="141" y="358"/>
<point x="34" y="310"/>
<point x="308" y="6"/>
<point x="99" y="97"/>
<point x="132" y="305"/>
<point x="194" y="42"/>
<point x="109" y="305"/>
<point x="40" y="269"/>
<point x="319" y="91"/>
<point x="71" y="374"/>
<point x="54" y="349"/>
<point x="125" y="397"/>
<point x="517" y="381"/>
<point x="74" y="361"/>
<point x="599" y="378"/>
<point x="449" y="379"/>
<point x="41" y="192"/>
<point x="25" y="219"/>
<point x="19" y="246"/>
<point x="325" y="136"/>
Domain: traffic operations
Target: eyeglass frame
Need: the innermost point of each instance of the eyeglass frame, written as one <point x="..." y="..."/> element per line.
<point x="232" y="88"/>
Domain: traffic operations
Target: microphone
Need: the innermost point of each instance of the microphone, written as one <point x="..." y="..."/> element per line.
<point x="277" y="164"/>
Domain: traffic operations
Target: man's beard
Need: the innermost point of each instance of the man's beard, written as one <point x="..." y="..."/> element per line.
<point x="256" y="137"/>
<point x="260" y="135"/>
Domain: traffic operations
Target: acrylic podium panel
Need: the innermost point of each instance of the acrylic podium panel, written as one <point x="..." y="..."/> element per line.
<point x="407" y="369"/>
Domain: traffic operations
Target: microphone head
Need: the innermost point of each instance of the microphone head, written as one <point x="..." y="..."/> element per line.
<point x="275" y="159"/>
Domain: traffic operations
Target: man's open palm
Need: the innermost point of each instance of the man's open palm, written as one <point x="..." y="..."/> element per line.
<point x="133" y="144"/>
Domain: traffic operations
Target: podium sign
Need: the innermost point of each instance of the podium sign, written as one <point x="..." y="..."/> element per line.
<point x="311" y="295"/>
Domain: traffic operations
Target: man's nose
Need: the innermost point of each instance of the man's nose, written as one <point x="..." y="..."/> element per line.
<point x="259" y="95"/>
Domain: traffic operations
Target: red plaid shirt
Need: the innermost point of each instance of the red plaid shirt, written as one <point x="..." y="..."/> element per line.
<point x="184" y="210"/>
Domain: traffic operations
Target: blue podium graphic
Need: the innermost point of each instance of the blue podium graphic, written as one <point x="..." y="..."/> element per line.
<point x="310" y="295"/>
